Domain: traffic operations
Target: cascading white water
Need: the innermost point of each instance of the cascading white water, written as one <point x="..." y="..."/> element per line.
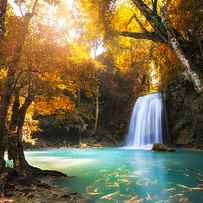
<point x="145" y="127"/>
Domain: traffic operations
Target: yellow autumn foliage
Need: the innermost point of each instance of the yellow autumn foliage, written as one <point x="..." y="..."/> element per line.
<point x="49" y="106"/>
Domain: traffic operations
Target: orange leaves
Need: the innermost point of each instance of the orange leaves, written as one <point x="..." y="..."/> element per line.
<point x="168" y="62"/>
<point x="92" y="19"/>
<point x="186" y="16"/>
<point x="13" y="36"/>
<point x="79" y="53"/>
<point x="49" y="106"/>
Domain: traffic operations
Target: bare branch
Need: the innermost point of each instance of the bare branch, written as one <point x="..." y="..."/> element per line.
<point x="130" y="20"/>
<point x="20" y="8"/>
<point x="138" y="21"/>
<point x="154" y="5"/>
<point x="154" y="19"/>
<point x="32" y="13"/>
<point x="142" y="35"/>
<point x="140" y="24"/>
<point x="34" y="7"/>
<point x="147" y="12"/>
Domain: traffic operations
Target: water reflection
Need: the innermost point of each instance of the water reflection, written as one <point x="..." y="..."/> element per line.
<point x="149" y="176"/>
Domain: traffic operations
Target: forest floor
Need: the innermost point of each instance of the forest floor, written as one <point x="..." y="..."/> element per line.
<point x="36" y="189"/>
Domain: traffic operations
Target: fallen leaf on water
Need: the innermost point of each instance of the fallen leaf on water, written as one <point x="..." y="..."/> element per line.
<point x="170" y="189"/>
<point x="134" y="199"/>
<point x="124" y="180"/>
<point x="184" y="200"/>
<point x="109" y="196"/>
<point x="113" y="185"/>
<point x="177" y="195"/>
<point x="5" y="200"/>
<point x="190" y="188"/>
<point x="93" y="193"/>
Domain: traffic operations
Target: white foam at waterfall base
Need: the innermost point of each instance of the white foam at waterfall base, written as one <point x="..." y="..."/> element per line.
<point x="145" y="128"/>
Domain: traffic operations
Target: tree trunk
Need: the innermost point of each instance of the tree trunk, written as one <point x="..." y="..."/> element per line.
<point x="10" y="79"/>
<point x="97" y="110"/>
<point x="13" y="127"/>
<point x="187" y="63"/>
<point x="15" y="149"/>
<point x="15" y="111"/>
<point x="3" y="125"/>
<point x="3" y="114"/>
<point x="177" y="43"/>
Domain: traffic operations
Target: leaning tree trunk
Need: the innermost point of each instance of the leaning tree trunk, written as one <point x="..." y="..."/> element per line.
<point x="21" y="164"/>
<point x="187" y="63"/>
<point x="10" y="79"/>
<point x="177" y="43"/>
<point x="3" y="111"/>
<point x="15" y="146"/>
<point x="13" y="128"/>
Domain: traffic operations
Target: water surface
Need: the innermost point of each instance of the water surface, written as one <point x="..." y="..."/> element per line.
<point x="119" y="175"/>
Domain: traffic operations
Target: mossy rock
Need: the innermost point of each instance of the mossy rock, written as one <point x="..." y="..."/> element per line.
<point x="162" y="148"/>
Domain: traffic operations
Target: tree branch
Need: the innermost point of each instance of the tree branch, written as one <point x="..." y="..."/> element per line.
<point x="146" y="11"/>
<point x="140" y="23"/>
<point x="34" y="7"/>
<point x="31" y="13"/>
<point x="154" y="6"/>
<point x="154" y="19"/>
<point x="142" y="35"/>
<point x="143" y="7"/>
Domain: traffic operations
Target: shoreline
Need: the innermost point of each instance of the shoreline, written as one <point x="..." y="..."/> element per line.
<point x="36" y="188"/>
<point x="194" y="147"/>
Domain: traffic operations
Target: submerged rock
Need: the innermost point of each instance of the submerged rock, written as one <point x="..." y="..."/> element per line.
<point x="134" y="199"/>
<point x="162" y="148"/>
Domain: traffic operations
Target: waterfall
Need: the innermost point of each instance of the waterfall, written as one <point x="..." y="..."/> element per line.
<point x="145" y="128"/>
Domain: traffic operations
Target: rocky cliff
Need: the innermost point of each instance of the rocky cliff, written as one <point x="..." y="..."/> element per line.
<point x="184" y="107"/>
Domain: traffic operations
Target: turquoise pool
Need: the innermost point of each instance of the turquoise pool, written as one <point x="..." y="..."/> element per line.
<point x="123" y="176"/>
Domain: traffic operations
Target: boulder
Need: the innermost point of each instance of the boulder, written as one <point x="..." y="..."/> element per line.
<point x="162" y="148"/>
